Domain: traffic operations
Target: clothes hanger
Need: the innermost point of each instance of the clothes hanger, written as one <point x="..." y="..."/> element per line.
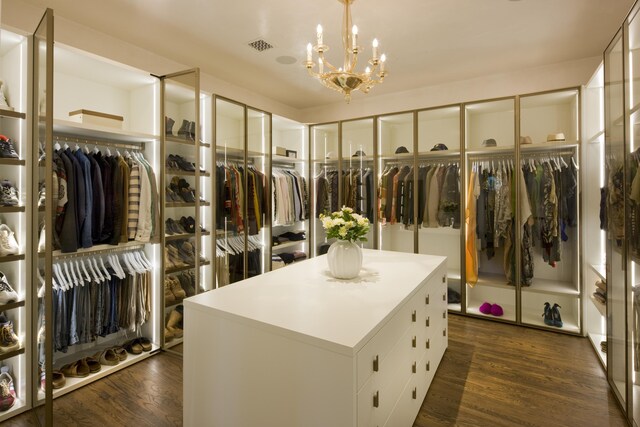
<point x="94" y="277"/>
<point x="64" y="268"/>
<point x="94" y="262"/>
<point x="84" y="270"/>
<point x="58" y="274"/>
<point x="72" y="270"/>
<point x="104" y="269"/>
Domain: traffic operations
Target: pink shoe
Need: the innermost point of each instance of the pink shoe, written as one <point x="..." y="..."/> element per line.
<point x="496" y="310"/>
<point x="485" y="308"/>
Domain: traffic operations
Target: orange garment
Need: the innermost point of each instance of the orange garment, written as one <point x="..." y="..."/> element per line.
<point x="471" y="254"/>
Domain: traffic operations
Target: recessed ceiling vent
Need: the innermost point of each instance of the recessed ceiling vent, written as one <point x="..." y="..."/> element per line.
<point x="260" y="45"/>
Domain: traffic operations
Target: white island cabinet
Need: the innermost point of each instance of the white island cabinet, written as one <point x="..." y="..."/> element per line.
<point x="295" y="347"/>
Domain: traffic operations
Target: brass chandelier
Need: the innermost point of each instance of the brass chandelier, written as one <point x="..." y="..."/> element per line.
<point x="344" y="79"/>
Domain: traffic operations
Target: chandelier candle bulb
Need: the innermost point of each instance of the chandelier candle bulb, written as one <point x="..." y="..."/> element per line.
<point x="319" y="34"/>
<point x="320" y="65"/>
<point x="383" y="58"/>
<point x="309" y="58"/>
<point x="354" y="31"/>
<point x="375" y="49"/>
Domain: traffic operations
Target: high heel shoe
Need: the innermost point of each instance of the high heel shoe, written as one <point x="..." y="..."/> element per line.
<point x="548" y="315"/>
<point x="184" y="129"/>
<point x="168" y="125"/>
<point x="555" y="312"/>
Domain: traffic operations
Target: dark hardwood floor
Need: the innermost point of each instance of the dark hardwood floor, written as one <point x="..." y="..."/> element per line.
<point x="492" y="375"/>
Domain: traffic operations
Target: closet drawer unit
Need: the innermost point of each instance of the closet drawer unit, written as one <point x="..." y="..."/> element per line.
<point x="408" y="404"/>
<point x="371" y="357"/>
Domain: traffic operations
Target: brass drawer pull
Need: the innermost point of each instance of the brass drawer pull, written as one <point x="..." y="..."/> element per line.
<point x="427" y="322"/>
<point x="413" y="342"/>
<point x="376" y="399"/>
<point x="444" y="332"/>
<point x="413" y="367"/>
<point x="414" y="394"/>
<point x="426" y="300"/>
<point x="429" y="343"/>
<point x="413" y="316"/>
<point x="444" y="279"/>
<point x="444" y="314"/>
<point x="428" y="366"/>
<point x="375" y="364"/>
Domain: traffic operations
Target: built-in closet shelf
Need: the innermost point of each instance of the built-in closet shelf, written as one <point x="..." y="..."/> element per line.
<point x="185" y="268"/>
<point x="276" y="159"/>
<point x="357" y="159"/>
<point x="174" y="342"/>
<point x="634" y="109"/>
<point x="533" y="317"/>
<point x="494" y="281"/>
<point x="600" y="270"/>
<point x="457" y="307"/>
<point x="446" y="231"/>
<point x="186" y="141"/>
<point x="325" y="161"/>
<point x="454" y="275"/>
<point x="175" y="303"/>
<point x="9" y="355"/>
<point x="547" y="146"/>
<point x="12" y="305"/>
<point x="509" y="311"/>
<point x="597" y="138"/>
<point x="83" y="131"/>
<point x="12" y="162"/>
<point x="185" y="236"/>
<point x="75" y="383"/>
<point x="554" y="287"/>
<point x="12" y="114"/>
<point x="600" y="306"/>
<point x="18" y="407"/>
<point x="398" y="157"/>
<point x="288" y="245"/>
<point x="97" y="249"/>
<point x="11" y="258"/>
<point x="504" y="150"/>
<point x="596" y="339"/>
<point x="185" y="205"/>
<point x="236" y="153"/>
<point x="440" y="154"/>
<point x="186" y="173"/>
<point x="11" y="209"/>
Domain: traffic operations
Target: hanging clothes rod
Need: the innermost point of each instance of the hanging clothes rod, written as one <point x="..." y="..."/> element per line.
<point x="91" y="252"/>
<point x="547" y="154"/>
<point x="122" y="145"/>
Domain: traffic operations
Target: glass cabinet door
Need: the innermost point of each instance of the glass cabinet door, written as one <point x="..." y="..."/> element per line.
<point x="358" y="190"/>
<point x="290" y="209"/>
<point x="548" y="220"/>
<point x="439" y="215"/>
<point x="615" y="209"/>
<point x="326" y="181"/>
<point x="396" y="176"/>
<point x="257" y="205"/>
<point x="230" y="224"/>
<point x="490" y="239"/>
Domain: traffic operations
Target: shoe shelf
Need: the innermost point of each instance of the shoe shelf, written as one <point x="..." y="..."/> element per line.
<point x="288" y="244"/>
<point x="186" y="173"/>
<point x="176" y="302"/>
<point x="12" y="114"/>
<point x="457" y="307"/>
<point x="12" y="305"/>
<point x="185" y="204"/>
<point x="171" y="237"/>
<point x="12" y="209"/>
<point x="509" y="311"/>
<point x="75" y="383"/>
<point x="174" y="342"/>
<point x="494" y="281"/>
<point x="185" y="268"/>
<point x="9" y="355"/>
<point x="554" y="287"/>
<point x="12" y="162"/>
<point x="600" y="306"/>
<point x="600" y="270"/>
<point x="596" y="339"/>
<point x="18" y="407"/>
<point x="74" y="129"/>
<point x="11" y="258"/>
<point x="179" y="140"/>
<point x="534" y="317"/>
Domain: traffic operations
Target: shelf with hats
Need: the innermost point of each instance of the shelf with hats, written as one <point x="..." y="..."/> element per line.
<point x="4" y="113"/>
<point x="12" y="258"/>
<point x="10" y="354"/>
<point x="12" y="162"/>
<point x="12" y="209"/>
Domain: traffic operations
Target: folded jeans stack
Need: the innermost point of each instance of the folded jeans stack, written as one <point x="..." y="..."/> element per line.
<point x="600" y="293"/>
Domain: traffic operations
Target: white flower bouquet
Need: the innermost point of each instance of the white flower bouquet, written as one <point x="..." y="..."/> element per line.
<point x="345" y="225"/>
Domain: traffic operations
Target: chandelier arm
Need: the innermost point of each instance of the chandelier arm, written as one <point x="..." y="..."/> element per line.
<point x="327" y="63"/>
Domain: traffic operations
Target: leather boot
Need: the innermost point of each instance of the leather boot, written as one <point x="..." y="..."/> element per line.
<point x="184" y="129"/>
<point x="168" y="335"/>
<point x="168" y="125"/>
<point x="172" y="324"/>
<point x="192" y="130"/>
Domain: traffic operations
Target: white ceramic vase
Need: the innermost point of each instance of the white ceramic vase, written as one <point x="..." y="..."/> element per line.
<point x="344" y="259"/>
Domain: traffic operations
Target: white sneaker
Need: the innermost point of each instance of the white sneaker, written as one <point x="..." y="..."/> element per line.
<point x="3" y="100"/>
<point x="7" y="294"/>
<point x="8" y="243"/>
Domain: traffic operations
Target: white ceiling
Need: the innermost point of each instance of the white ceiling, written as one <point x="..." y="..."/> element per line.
<point x="427" y="41"/>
